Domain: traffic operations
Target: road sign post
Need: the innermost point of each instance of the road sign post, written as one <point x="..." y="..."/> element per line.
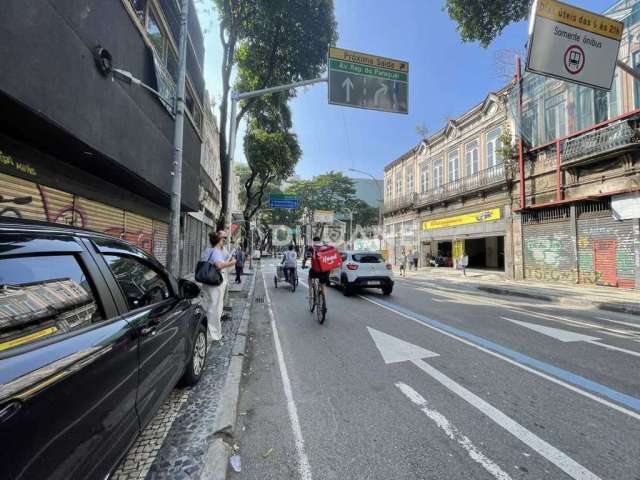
<point x="572" y="44"/>
<point x="367" y="81"/>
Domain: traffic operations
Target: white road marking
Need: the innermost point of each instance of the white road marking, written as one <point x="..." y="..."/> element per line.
<point x="453" y="433"/>
<point x="548" y="451"/>
<point x="471" y="299"/>
<point x="567" y="336"/>
<point x="394" y="350"/>
<point x="611" y="347"/>
<point x="629" y="324"/>
<point x="303" y="462"/>
<point x="512" y="362"/>
<point x="561" y="335"/>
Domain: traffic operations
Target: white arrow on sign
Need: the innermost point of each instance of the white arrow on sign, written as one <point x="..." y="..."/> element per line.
<point x="566" y="336"/>
<point x="394" y="350"/>
<point x="348" y="84"/>
<point x="381" y="91"/>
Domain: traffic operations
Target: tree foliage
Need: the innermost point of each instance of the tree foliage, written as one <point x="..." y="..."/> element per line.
<point x="272" y="42"/>
<point x="484" y="20"/>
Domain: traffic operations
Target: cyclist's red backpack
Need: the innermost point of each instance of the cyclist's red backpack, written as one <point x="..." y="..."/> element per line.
<point x="325" y="258"/>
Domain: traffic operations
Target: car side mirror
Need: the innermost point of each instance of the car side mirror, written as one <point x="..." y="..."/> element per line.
<point x="188" y="289"/>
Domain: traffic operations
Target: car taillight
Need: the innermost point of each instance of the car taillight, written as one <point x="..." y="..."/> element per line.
<point x="352" y="266"/>
<point x="389" y="266"/>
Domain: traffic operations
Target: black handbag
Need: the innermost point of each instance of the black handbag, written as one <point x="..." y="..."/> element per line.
<point x="208" y="273"/>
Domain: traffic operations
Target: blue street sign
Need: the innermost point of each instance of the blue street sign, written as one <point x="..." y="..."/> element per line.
<point x="283" y="202"/>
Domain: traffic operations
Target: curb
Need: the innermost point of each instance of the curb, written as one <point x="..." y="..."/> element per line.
<point x="619" y="308"/>
<point x="630" y="309"/>
<point x="216" y="458"/>
<point x="516" y="293"/>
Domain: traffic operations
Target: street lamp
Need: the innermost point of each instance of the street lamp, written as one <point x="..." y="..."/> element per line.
<point x="375" y="181"/>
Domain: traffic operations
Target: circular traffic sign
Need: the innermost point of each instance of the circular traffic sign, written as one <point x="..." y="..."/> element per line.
<point x="574" y="59"/>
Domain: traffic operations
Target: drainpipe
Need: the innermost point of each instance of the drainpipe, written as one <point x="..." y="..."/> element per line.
<point x="520" y="154"/>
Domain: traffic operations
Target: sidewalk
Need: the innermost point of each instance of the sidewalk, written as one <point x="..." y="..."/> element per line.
<point x="177" y="442"/>
<point x="491" y="281"/>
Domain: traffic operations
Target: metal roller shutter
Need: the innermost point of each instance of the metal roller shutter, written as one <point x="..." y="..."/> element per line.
<point x="605" y="248"/>
<point x="548" y="246"/>
<point x="160" y="241"/>
<point x="25" y="199"/>
<point x="101" y="217"/>
<point x="139" y="230"/>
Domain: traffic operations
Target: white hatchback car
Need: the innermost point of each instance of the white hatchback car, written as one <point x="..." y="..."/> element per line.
<point x="362" y="270"/>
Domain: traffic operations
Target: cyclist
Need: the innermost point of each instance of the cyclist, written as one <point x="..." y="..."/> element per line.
<point x="289" y="260"/>
<point x="323" y="277"/>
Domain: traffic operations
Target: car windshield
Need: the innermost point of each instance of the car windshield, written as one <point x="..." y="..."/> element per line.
<point x="368" y="258"/>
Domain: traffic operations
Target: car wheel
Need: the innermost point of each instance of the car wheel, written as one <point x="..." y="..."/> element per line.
<point x="198" y="359"/>
<point x="386" y="290"/>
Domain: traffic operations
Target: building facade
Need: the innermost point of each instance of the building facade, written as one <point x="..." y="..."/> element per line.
<point x="80" y="146"/>
<point x="577" y="216"/>
<point x="450" y="194"/>
<point x="197" y="225"/>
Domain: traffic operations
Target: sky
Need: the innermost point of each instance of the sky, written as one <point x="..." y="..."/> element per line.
<point x="446" y="78"/>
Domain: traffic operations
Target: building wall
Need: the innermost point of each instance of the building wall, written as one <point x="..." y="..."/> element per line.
<point x="569" y="232"/>
<point x="49" y="47"/>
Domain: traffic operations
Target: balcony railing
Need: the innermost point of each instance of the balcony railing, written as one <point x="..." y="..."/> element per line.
<point x="399" y="203"/>
<point x="612" y="137"/>
<point x="488" y="177"/>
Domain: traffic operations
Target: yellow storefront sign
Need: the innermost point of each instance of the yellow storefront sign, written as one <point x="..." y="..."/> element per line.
<point x="467" y="218"/>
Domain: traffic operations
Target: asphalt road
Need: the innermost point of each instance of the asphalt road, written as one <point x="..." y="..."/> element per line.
<point x="437" y="382"/>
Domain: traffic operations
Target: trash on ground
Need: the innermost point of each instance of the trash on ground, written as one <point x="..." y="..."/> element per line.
<point x="236" y="463"/>
<point x="267" y="453"/>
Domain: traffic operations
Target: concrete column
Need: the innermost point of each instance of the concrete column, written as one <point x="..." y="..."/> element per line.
<point x="573" y="225"/>
<point x="491" y="251"/>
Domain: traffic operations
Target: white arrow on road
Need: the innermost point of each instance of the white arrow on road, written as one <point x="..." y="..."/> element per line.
<point x="568" y="336"/>
<point x="391" y="349"/>
<point x="381" y="91"/>
<point x="348" y="84"/>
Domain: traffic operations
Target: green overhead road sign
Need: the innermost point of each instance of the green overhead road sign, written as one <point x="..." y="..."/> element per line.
<point x="368" y="81"/>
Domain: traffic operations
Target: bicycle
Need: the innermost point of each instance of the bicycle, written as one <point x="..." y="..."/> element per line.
<point x="317" y="301"/>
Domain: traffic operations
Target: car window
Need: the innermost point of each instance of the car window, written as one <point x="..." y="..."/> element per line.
<point x="141" y="284"/>
<point x="368" y="258"/>
<point x="42" y="296"/>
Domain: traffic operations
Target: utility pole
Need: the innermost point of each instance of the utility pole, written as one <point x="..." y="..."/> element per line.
<point x="173" y="253"/>
<point x="235" y="98"/>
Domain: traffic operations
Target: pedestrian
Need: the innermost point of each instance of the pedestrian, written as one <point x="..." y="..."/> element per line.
<point x="213" y="295"/>
<point x="415" y="260"/>
<point x="403" y="264"/>
<point x="463" y="262"/>
<point x="240" y="257"/>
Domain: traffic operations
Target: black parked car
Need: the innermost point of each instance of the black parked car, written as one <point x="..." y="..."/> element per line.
<point x="94" y="334"/>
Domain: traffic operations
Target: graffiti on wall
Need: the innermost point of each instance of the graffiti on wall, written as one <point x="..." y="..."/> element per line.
<point x="21" y="198"/>
<point x="606" y="253"/>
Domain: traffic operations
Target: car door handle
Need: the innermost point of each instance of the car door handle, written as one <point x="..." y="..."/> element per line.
<point x="150" y="329"/>
<point x="9" y="410"/>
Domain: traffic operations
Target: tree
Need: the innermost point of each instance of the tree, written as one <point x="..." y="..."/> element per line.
<point x="272" y="42"/>
<point x="484" y="20"/>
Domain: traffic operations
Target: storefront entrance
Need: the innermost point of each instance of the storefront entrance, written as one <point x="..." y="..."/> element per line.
<point x="485" y="252"/>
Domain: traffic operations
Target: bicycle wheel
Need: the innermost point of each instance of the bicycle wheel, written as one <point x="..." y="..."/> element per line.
<point x="321" y="307"/>
<point x="312" y="302"/>
<point x="293" y="277"/>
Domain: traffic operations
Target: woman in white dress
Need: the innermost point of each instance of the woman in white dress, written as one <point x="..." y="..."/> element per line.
<point x="213" y="295"/>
